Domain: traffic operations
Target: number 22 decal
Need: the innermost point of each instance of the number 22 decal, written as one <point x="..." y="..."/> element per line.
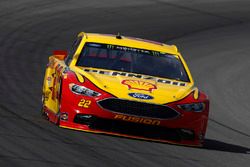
<point x="84" y="103"/>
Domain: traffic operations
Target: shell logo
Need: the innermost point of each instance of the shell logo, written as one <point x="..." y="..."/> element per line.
<point x="139" y="85"/>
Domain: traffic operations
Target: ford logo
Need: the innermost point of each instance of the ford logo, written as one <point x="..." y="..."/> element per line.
<point x="140" y="96"/>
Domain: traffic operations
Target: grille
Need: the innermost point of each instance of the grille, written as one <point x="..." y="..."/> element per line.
<point x="138" y="108"/>
<point x="134" y="129"/>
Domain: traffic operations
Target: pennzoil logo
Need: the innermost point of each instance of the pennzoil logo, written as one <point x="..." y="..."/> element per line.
<point x="139" y="85"/>
<point x="147" y="121"/>
<point x="126" y="74"/>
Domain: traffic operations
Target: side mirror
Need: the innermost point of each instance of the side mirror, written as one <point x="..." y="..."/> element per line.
<point x="60" y="54"/>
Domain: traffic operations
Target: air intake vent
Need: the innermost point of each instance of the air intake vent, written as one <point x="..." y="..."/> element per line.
<point x="138" y="108"/>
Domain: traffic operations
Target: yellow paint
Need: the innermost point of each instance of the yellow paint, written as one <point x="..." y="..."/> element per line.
<point x="196" y="93"/>
<point x="79" y="77"/>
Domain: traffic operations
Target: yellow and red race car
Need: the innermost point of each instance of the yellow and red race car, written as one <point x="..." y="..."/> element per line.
<point x="125" y="86"/>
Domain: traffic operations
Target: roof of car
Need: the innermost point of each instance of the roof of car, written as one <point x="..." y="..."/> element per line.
<point x="129" y="42"/>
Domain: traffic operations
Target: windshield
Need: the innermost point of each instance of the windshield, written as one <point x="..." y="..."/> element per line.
<point x="140" y="61"/>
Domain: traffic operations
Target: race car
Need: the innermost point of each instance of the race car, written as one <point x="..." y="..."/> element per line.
<point x="125" y="86"/>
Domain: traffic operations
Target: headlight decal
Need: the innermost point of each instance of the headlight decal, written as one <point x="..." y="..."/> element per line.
<point x="193" y="107"/>
<point x="82" y="90"/>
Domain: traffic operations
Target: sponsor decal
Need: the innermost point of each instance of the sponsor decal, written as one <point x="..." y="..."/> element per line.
<point x="46" y="95"/>
<point x="141" y="96"/>
<point x="49" y="79"/>
<point x="147" y="121"/>
<point x="60" y="68"/>
<point x="51" y="63"/>
<point x="126" y="49"/>
<point x="84" y="103"/>
<point x="139" y="85"/>
<point x="132" y="75"/>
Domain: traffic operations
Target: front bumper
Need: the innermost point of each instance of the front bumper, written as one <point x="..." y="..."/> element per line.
<point x="95" y="124"/>
<point x="175" y="131"/>
<point x="120" y="117"/>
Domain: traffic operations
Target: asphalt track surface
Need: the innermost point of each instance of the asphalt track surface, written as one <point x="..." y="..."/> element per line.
<point x="213" y="36"/>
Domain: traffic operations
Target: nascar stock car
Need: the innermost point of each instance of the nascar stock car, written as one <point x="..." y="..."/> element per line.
<point x="125" y="86"/>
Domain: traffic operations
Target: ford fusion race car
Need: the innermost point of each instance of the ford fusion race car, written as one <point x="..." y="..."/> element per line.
<point x="125" y="86"/>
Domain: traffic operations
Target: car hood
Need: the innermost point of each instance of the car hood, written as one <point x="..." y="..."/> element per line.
<point x="138" y="87"/>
